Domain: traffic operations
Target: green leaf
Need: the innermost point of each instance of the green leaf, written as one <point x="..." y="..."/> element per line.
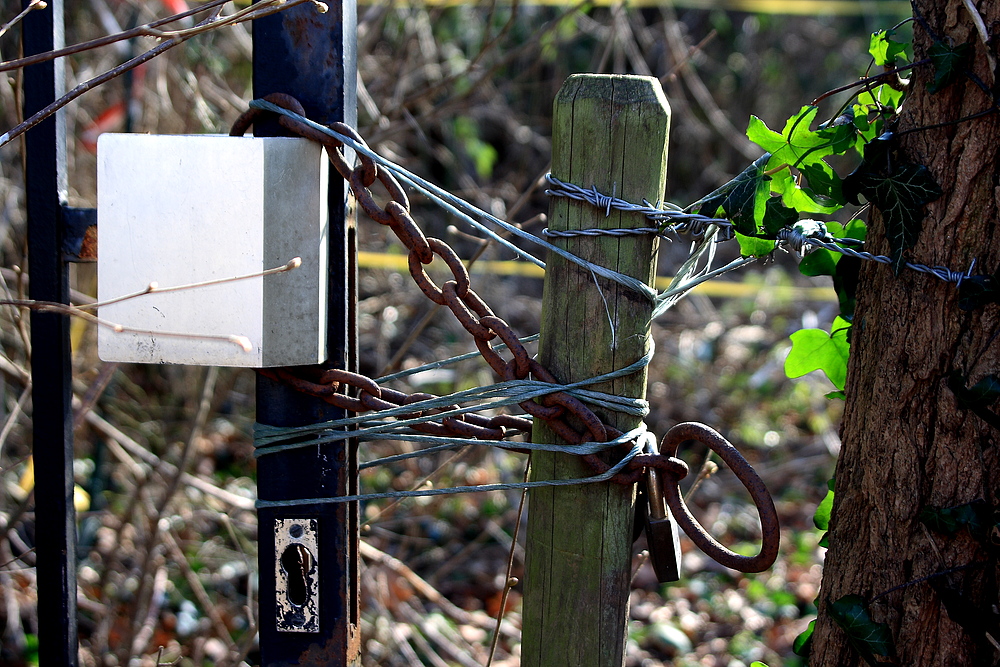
<point x="815" y="349"/>
<point x="824" y="541"/>
<point x="948" y="63"/>
<point x="777" y="216"/>
<point x="872" y="640"/>
<point x="751" y="246"/>
<point x="884" y="49"/>
<point x="757" y="663"/>
<point x="824" y="181"/>
<point x="979" y="398"/>
<point x="823" y="510"/>
<point x="801" y="199"/>
<point x="743" y="199"/>
<point x="898" y="188"/>
<point x="984" y="393"/>
<point x="978" y="292"/>
<point x="803" y="642"/>
<point x="819" y="262"/>
<point x="975" y="516"/>
<point x="880" y="97"/>
<point x="796" y="145"/>
<point x="823" y="262"/>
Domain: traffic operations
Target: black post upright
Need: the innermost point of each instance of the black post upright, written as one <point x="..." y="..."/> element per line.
<point x="52" y="419"/>
<point x="312" y="57"/>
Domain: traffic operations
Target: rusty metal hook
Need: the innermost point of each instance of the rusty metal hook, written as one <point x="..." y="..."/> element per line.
<point x="746" y="474"/>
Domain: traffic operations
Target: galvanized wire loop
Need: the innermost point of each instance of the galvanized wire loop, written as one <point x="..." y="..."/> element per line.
<point x="476" y="317"/>
<point x="746" y="474"/>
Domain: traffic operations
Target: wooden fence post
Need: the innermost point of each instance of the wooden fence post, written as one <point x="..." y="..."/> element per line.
<point x="609" y="132"/>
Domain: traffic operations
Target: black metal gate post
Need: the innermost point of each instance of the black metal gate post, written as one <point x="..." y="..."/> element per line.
<point x="51" y="394"/>
<point x="312" y="57"/>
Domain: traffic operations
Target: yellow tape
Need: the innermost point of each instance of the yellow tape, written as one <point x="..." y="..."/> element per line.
<point x="717" y="288"/>
<point x="791" y="7"/>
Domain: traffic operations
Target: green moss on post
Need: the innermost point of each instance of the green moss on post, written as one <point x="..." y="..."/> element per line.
<point x="609" y="132"/>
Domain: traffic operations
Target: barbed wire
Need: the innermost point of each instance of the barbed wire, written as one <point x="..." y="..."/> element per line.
<point x="673" y="219"/>
<point x="560" y="402"/>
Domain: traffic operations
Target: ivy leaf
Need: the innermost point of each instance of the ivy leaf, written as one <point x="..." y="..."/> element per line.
<point x="823" y="262"/>
<point x="751" y="246"/>
<point x="777" y="216"/>
<point x="823" y="510"/>
<point x="975" y="516"/>
<point x="796" y="144"/>
<point x="979" y="291"/>
<point x="948" y="62"/>
<point x="898" y="188"/>
<point x="979" y="398"/>
<point x="801" y="199"/>
<point x="743" y="199"/>
<point x="881" y="97"/>
<point x="884" y="49"/>
<point x="985" y="392"/>
<point x="824" y="181"/>
<point x="803" y="643"/>
<point x="815" y="349"/>
<point x="872" y="640"/>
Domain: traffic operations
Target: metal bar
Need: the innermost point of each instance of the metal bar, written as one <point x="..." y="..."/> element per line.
<point x="52" y="424"/>
<point x="311" y="56"/>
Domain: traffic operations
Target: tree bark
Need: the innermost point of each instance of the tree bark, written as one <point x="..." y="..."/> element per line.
<point x="907" y="442"/>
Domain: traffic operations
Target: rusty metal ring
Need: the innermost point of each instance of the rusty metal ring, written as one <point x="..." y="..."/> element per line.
<point x="365" y="199"/>
<point x="428" y="286"/>
<point x="495" y="361"/>
<point x="544" y="412"/>
<point x="395" y="190"/>
<point x="248" y="117"/>
<point x="408" y="233"/>
<point x="466" y="430"/>
<point x="746" y="474"/>
<point x="522" y="362"/>
<point x="369" y="170"/>
<point x="466" y="315"/>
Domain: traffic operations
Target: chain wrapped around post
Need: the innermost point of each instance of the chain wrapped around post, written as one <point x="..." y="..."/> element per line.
<point x="557" y="408"/>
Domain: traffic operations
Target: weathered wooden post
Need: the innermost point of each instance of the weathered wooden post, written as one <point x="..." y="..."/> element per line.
<point x="609" y="132"/>
<point x="312" y="57"/>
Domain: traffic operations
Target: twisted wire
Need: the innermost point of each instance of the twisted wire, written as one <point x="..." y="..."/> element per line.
<point x="677" y="221"/>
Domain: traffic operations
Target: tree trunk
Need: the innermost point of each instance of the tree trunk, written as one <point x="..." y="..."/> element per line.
<point x="907" y="442"/>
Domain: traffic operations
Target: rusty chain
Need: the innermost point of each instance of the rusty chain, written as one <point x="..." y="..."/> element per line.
<point x="556" y="408"/>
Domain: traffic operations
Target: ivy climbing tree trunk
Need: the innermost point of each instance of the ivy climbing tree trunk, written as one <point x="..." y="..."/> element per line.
<point x="909" y="444"/>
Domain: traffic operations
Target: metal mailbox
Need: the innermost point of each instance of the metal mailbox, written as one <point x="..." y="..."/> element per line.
<point x="179" y="210"/>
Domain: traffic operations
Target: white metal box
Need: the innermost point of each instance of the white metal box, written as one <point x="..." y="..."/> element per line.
<point x="177" y="210"/>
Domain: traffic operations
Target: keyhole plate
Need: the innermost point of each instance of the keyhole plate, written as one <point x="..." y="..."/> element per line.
<point x="296" y="575"/>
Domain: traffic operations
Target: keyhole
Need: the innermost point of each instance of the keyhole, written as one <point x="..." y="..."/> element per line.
<point x="297" y="562"/>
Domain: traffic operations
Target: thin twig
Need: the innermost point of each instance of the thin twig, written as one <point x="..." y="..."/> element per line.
<point x="212" y="21"/>
<point x="154" y="288"/>
<point x="869" y="80"/>
<point x="14" y="415"/>
<point x="35" y="4"/>
<point x="75" y="311"/>
<point x="509" y="581"/>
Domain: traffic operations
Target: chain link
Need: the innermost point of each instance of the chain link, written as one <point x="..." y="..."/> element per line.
<point x="556" y="409"/>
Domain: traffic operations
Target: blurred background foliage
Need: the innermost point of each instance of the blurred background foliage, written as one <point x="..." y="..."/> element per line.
<point x="461" y="95"/>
